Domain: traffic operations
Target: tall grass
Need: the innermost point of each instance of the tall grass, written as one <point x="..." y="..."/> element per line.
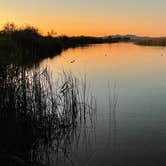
<point x="35" y="114"/>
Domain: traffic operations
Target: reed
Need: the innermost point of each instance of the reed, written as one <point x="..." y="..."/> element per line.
<point x="34" y="113"/>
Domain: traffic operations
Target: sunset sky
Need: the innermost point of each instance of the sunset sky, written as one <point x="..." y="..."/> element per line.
<point x="88" y="17"/>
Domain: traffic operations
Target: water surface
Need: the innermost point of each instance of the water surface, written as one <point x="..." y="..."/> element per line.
<point x="129" y="84"/>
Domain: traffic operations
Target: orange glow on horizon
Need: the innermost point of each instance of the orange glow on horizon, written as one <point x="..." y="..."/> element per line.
<point x="74" y="26"/>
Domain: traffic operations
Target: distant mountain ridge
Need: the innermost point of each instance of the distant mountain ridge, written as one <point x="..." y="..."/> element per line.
<point x="128" y="36"/>
<point x="135" y="37"/>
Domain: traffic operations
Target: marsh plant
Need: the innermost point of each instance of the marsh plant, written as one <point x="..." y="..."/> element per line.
<point x="37" y="116"/>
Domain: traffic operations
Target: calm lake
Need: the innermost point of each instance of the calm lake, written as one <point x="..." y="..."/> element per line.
<point x="129" y="84"/>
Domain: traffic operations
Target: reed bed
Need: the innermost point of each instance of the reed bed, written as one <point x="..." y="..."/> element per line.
<point x="36" y="116"/>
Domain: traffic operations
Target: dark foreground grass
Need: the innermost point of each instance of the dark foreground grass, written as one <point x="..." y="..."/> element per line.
<point x="35" y="115"/>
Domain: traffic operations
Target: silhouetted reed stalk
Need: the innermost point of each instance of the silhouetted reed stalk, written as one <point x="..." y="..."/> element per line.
<point x="35" y="116"/>
<point x="78" y="107"/>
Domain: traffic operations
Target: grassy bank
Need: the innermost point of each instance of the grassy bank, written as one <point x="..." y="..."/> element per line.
<point x="152" y="42"/>
<point x="28" y="43"/>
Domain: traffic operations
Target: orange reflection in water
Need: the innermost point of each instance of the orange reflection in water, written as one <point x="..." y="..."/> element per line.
<point x="105" y="59"/>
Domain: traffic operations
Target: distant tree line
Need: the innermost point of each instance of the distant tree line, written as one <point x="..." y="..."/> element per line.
<point x="28" y="41"/>
<point x="152" y="42"/>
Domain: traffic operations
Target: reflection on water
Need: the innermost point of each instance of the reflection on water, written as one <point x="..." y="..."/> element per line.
<point x="132" y="130"/>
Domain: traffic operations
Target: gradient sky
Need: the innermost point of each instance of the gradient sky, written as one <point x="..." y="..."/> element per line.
<point x="88" y="17"/>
